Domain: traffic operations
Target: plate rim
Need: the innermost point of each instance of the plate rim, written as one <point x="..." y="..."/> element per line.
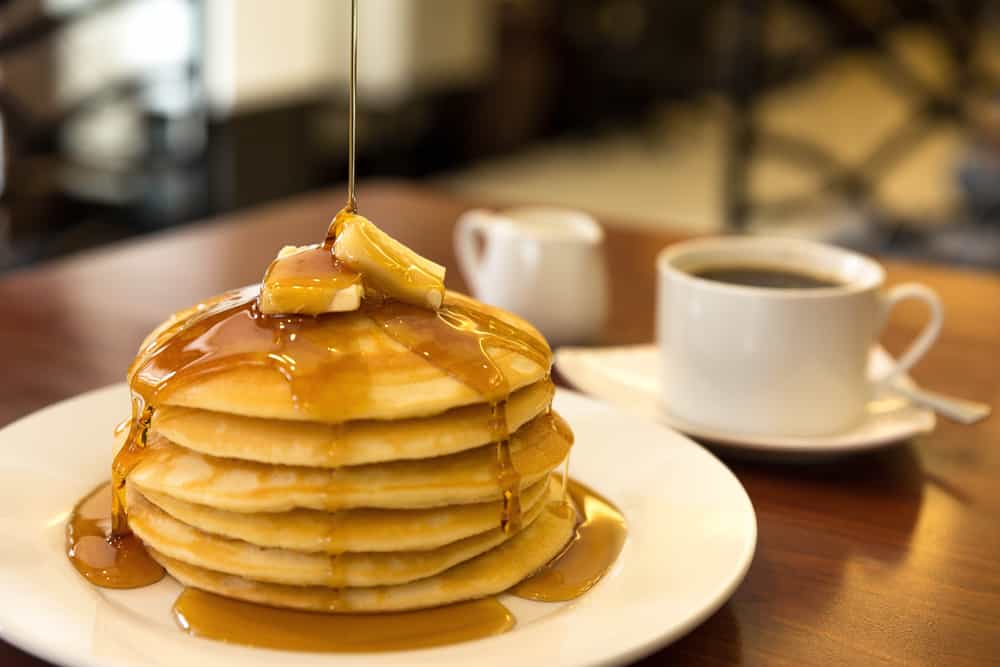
<point x="726" y="592"/>
<point x="35" y="644"/>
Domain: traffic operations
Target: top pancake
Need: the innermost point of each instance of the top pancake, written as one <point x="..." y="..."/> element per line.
<point x="382" y="362"/>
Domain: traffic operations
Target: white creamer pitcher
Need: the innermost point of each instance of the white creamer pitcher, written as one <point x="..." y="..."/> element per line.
<point x="545" y="264"/>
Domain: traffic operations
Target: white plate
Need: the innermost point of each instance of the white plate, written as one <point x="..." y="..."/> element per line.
<point x="628" y="377"/>
<point x="692" y="533"/>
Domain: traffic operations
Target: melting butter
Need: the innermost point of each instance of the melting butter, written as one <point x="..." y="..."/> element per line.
<point x="309" y="280"/>
<point x="388" y="266"/>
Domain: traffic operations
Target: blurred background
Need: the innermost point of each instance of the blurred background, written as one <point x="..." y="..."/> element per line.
<point x="871" y="123"/>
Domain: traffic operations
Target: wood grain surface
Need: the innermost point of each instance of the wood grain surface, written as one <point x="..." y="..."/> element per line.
<point x="888" y="557"/>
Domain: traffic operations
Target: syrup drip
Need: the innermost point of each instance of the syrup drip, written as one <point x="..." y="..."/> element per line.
<point x="215" y="617"/>
<point x="336" y="225"/>
<point x="455" y="339"/>
<point x="507" y="477"/>
<point x="564" y="491"/>
<point x="594" y="548"/>
<point x="144" y="393"/>
<point x="111" y="561"/>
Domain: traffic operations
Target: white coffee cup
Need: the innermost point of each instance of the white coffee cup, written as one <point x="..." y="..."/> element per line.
<point x="545" y="264"/>
<point x="775" y="361"/>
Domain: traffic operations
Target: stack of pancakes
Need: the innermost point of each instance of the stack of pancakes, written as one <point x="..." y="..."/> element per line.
<point x="335" y="503"/>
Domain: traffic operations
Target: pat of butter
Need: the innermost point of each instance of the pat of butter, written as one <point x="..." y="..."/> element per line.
<point x="309" y="280"/>
<point x="387" y="265"/>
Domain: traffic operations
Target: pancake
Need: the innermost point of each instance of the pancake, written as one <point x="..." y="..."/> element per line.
<point x="367" y="364"/>
<point x="378" y="444"/>
<point x="347" y="530"/>
<point x="177" y="540"/>
<point x="352" y="443"/>
<point x="247" y="486"/>
<point x="492" y="572"/>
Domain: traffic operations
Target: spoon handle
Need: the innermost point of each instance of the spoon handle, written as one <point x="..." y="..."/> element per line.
<point x="957" y="409"/>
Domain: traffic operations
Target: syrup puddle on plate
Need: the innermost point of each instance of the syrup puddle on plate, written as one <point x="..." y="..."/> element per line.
<point x="104" y="559"/>
<point x="595" y="546"/>
<point x="212" y="616"/>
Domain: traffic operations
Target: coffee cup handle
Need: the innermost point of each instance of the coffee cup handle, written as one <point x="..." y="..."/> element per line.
<point x="919" y="347"/>
<point x="471" y="237"/>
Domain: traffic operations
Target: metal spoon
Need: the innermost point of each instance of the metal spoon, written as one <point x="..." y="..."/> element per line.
<point x="956" y="409"/>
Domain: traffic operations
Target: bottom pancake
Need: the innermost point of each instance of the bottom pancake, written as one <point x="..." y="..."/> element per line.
<point x="488" y="574"/>
<point x="175" y="539"/>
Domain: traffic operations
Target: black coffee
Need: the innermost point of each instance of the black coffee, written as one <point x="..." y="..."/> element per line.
<point x="764" y="276"/>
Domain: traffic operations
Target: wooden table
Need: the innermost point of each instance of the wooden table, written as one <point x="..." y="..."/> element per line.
<point x="887" y="557"/>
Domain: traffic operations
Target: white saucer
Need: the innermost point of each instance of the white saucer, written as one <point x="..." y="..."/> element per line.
<point x="628" y="377"/>
<point x="692" y="533"/>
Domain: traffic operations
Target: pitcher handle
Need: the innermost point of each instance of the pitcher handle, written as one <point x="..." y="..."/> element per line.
<point x="471" y="238"/>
